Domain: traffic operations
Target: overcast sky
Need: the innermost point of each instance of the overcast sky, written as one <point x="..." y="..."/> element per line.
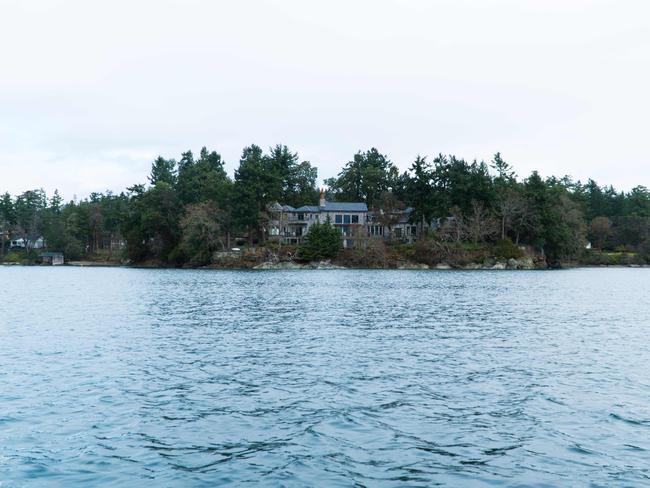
<point x="91" y="92"/>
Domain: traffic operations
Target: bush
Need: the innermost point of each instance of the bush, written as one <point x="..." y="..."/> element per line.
<point x="73" y="249"/>
<point x="13" y="257"/>
<point x="323" y="241"/>
<point x="507" y="249"/>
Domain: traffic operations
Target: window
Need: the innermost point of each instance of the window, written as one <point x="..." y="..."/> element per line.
<point x="301" y="216"/>
<point x="376" y="230"/>
<point x="398" y="233"/>
<point x="355" y="219"/>
<point x="338" y="219"/>
<point x="346" y="219"/>
<point x="345" y="230"/>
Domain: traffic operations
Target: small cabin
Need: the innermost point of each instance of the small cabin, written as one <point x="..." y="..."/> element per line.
<point x="52" y="258"/>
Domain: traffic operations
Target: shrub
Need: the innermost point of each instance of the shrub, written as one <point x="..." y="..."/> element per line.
<point x="507" y="249"/>
<point x="13" y="257"/>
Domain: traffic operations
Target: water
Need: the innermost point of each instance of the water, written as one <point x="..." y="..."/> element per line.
<point x="131" y="377"/>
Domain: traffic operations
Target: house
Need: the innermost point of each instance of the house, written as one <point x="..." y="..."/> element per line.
<point x="397" y="224"/>
<point x="290" y="225"/>
<point x="52" y="258"/>
<point x="20" y="243"/>
<point x="392" y="224"/>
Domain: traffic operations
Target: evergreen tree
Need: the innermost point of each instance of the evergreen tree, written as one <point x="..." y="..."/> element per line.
<point x="364" y="178"/>
<point x="420" y="192"/>
<point x="163" y="171"/>
<point x="323" y="241"/>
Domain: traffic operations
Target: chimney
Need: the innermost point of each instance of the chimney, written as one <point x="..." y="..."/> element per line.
<point x="321" y="202"/>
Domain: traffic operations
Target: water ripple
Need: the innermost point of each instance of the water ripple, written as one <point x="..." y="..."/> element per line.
<point x="121" y="377"/>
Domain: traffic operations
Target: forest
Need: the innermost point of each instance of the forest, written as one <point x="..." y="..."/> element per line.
<point x="191" y="208"/>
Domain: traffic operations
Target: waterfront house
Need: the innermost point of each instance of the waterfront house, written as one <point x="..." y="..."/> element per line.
<point x="290" y="225"/>
<point x="20" y="243"/>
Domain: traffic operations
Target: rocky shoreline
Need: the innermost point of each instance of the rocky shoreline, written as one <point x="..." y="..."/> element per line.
<point x="526" y="263"/>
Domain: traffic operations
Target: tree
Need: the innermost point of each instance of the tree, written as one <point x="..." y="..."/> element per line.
<point x="600" y="229"/>
<point x="187" y="179"/>
<point x="510" y="206"/>
<point x="389" y="210"/>
<point x="364" y="178"/>
<point x="163" y="171"/>
<point x="301" y="186"/>
<point x="29" y="209"/>
<point x="323" y="241"/>
<point x="503" y="169"/>
<point x="152" y="227"/>
<point x="556" y="224"/>
<point x="458" y="183"/>
<point x="480" y="224"/>
<point x="420" y="193"/>
<point x="201" y="231"/>
<point x="250" y="195"/>
<point x="7" y="219"/>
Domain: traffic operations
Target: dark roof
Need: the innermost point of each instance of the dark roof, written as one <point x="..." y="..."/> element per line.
<point x="344" y="207"/>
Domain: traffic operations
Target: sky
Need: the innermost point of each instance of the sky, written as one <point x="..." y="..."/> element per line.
<point x="91" y="92"/>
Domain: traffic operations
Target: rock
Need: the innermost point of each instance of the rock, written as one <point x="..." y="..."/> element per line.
<point x="499" y="265"/>
<point x="413" y="266"/>
<point x="442" y="266"/>
<point x="513" y="263"/>
<point x="526" y="263"/>
<point x="327" y="264"/>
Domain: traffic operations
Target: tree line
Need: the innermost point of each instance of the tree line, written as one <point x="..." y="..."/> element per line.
<point x="191" y="207"/>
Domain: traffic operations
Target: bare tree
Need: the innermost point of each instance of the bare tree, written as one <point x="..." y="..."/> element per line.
<point x="389" y="210"/>
<point x="509" y="206"/>
<point x="480" y="223"/>
<point x="453" y="227"/>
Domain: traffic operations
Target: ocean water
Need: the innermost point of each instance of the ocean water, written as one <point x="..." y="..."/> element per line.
<point x="132" y="377"/>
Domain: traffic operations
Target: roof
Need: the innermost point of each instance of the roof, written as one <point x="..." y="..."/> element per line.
<point x="344" y="207"/>
<point x="329" y="207"/>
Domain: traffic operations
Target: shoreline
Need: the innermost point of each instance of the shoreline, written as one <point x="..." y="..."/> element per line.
<point x="324" y="266"/>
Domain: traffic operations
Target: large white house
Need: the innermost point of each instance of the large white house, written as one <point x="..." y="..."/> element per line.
<point x="20" y="243"/>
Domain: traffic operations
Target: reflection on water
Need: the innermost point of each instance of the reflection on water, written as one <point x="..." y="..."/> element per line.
<point x="380" y="378"/>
